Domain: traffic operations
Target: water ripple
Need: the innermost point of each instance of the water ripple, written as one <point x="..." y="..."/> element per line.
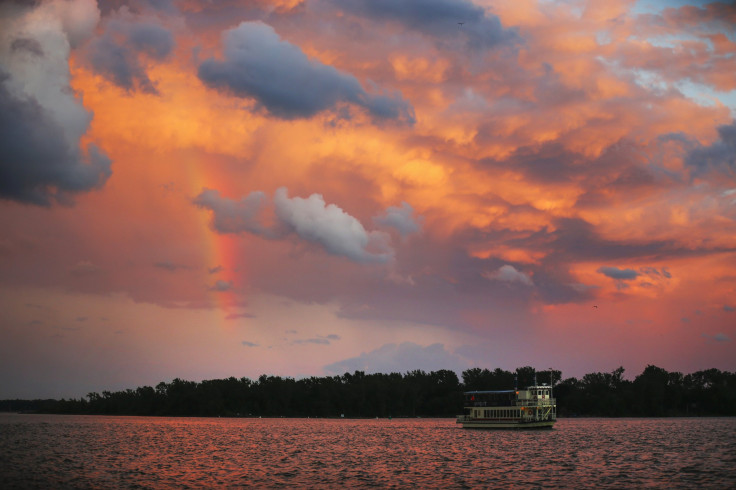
<point x="39" y="451"/>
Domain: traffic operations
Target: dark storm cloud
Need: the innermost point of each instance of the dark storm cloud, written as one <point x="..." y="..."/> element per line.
<point x="437" y="18"/>
<point x="721" y="155"/>
<point x="37" y="162"/>
<point x="115" y="54"/>
<point x="282" y="79"/>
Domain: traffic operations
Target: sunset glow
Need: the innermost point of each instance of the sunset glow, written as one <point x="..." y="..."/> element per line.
<point x="300" y="187"/>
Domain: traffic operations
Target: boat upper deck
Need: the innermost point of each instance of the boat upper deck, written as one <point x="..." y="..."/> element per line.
<point x="537" y="395"/>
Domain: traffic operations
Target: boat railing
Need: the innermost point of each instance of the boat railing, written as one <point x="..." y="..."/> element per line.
<point x="489" y="404"/>
<point x="536" y="403"/>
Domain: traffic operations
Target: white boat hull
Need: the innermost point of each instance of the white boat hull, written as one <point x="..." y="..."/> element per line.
<point x="495" y="424"/>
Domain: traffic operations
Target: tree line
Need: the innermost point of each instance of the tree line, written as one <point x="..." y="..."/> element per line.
<point x="655" y="392"/>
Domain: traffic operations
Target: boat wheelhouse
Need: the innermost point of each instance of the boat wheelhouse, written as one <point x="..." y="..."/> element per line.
<point x="532" y="408"/>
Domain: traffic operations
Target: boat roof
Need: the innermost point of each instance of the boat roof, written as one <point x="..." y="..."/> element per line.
<point x="491" y="392"/>
<point x="488" y="392"/>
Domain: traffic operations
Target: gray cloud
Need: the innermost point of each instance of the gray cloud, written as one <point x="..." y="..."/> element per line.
<point x="319" y="339"/>
<point x="656" y="273"/>
<point x="37" y="162"/>
<point x="84" y="268"/>
<point x="249" y="344"/>
<point x="221" y="286"/>
<point x="311" y="219"/>
<point x="137" y="6"/>
<point x="281" y="78"/>
<point x="719" y="337"/>
<point x="404" y="357"/>
<point x="721" y="155"/>
<point x="235" y="316"/>
<point x="437" y="18"/>
<point x="41" y="120"/>
<point x="230" y="216"/>
<point x="400" y="218"/>
<point x="618" y="274"/>
<point x="115" y="54"/>
<point x="28" y="45"/>
<point x="170" y="266"/>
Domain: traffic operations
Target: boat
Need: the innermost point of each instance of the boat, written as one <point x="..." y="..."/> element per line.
<point x="531" y="408"/>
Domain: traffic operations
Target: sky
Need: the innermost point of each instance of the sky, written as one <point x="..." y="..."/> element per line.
<point x="206" y="189"/>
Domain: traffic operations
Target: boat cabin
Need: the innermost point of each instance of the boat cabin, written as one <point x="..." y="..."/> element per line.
<point x="533" y="406"/>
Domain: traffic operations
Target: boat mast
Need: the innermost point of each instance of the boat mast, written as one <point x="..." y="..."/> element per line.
<point x="551" y="384"/>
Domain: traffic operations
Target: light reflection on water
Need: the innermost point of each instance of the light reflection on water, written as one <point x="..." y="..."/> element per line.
<point x="55" y="451"/>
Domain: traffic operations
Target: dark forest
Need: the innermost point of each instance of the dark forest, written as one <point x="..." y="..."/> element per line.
<point x="653" y="393"/>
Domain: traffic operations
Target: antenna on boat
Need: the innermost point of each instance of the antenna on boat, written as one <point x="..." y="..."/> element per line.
<point x="551" y="382"/>
<point x="516" y="381"/>
<point x="535" y="378"/>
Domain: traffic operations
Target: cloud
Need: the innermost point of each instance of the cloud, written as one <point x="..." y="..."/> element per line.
<point x="229" y="216"/>
<point x="656" y="273"/>
<point x="28" y="45"/>
<point x="84" y="268"/>
<point x="116" y="54"/>
<point x="281" y="78"/>
<point x="221" y="286"/>
<point x="331" y="227"/>
<point x="169" y="266"/>
<point x="320" y="339"/>
<point x="728" y="308"/>
<point x="438" y="19"/>
<point x="720" y="156"/>
<point x="719" y="337"/>
<point x="235" y="316"/>
<point x="618" y="274"/>
<point x="41" y="119"/>
<point x="508" y="273"/>
<point x="249" y="344"/>
<point x="400" y="358"/>
<point x="400" y="218"/>
<point x="311" y="219"/>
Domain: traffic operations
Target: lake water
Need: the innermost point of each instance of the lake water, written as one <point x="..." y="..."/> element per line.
<point x="56" y="451"/>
